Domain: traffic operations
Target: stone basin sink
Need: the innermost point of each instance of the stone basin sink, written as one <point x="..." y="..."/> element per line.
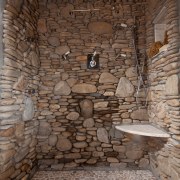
<point x="143" y="130"/>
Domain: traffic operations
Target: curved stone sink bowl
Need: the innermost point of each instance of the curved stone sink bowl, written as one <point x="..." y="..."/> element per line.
<point x="143" y="130"/>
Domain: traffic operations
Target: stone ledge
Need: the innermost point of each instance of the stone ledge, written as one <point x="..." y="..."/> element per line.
<point x="143" y="130"/>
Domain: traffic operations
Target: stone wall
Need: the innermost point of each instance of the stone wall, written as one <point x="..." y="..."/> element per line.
<point x="163" y="73"/>
<point x="78" y="108"/>
<point x="18" y="84"/>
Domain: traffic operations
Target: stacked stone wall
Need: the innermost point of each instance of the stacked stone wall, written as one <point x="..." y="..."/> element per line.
<point x="163" y="73"/>
<point x="18" y="84"/>
<point x="78" y="107"/>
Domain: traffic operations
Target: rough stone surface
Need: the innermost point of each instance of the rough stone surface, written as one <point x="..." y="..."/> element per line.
<point x="53" y="41"/>
<point x="88" y="123"/>
<point x="140" y="114"/>
<point x="44" y="129"/>
<point x="28" y="113"/>
<point x="84" y="88"/>
<point x="86" y="108"/>
<point x="62" y="88"/>
<point x="52" y="140"/>
<point x="102" y="135"/>
<point x="100" y="28"/>
<point x="63" y="144"/>
<point x="62" y="50"/>
<point x="73" y="116"/>
<point x="173" y="85"/>
<point x="42" y="28"/>
<point x="124" y="88"/>
<point x="107" y="78"/>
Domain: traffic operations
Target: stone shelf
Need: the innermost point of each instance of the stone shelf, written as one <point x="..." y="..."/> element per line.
<point x="143" y="130"/>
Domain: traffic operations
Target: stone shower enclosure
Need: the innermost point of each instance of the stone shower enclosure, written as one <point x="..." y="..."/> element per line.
<point x="56" y="114"/>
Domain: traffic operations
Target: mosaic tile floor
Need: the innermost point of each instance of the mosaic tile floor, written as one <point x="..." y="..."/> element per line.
<point x="94" y="175"/>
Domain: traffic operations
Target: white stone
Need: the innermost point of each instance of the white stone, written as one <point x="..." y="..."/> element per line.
<point x="125" y="88"/>
<point x="28" y="113"/>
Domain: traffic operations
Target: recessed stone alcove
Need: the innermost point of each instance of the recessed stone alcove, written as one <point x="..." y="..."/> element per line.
<point x="55" y="114"/>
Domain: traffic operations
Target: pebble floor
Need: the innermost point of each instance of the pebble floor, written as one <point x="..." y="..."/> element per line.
<point x="94" y="175"/>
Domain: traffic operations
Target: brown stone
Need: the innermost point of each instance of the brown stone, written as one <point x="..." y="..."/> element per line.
<point x="134" y="154"/>
<point x="52" y="140"/>
<point x="100" y="28"/>
<point x="62" y="88"/>
<point x="108" y="78"/>
<point x="63" y="144"/>
<point x="6" y="174"/>
<point x="84" y="88"/>
<point x="86" y="108"/>
<point x="42" y="28"/>
<point x="21" y="84"/>
<point x="80" y="144"/>
<point x="140" y="114"/>
<point x="88" y="123"/>
<point x="7" y="132"/>
<point x="73" y="116"/>
<point x="61" y="50"/>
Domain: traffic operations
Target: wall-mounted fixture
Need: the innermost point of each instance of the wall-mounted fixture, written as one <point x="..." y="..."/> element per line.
<point x="65" y="55"/>
<point x="93" y="61"/>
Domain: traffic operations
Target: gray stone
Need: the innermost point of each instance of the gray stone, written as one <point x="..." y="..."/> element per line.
<point x="102" y="135"/>
<point x="63" y="144"/>
<point x="53" y="41"/>
<point x="125" y="88"/>
<point x="52" y="140"/>
<point x="173" y="85"/>
<point x="86" y="108"/>
<point x="62" y="50"/>
<point x="84" y="88"/>
<point x="73" y="116"/>
<point x="107" y="78"/>
<point x="140" y="114"/>
<point x="44" y="129"/>
<point x="28" y="113"/>
<point x="88" y="123"/>
<point x="62" y="88"/>
<point x="100" y="28"/>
